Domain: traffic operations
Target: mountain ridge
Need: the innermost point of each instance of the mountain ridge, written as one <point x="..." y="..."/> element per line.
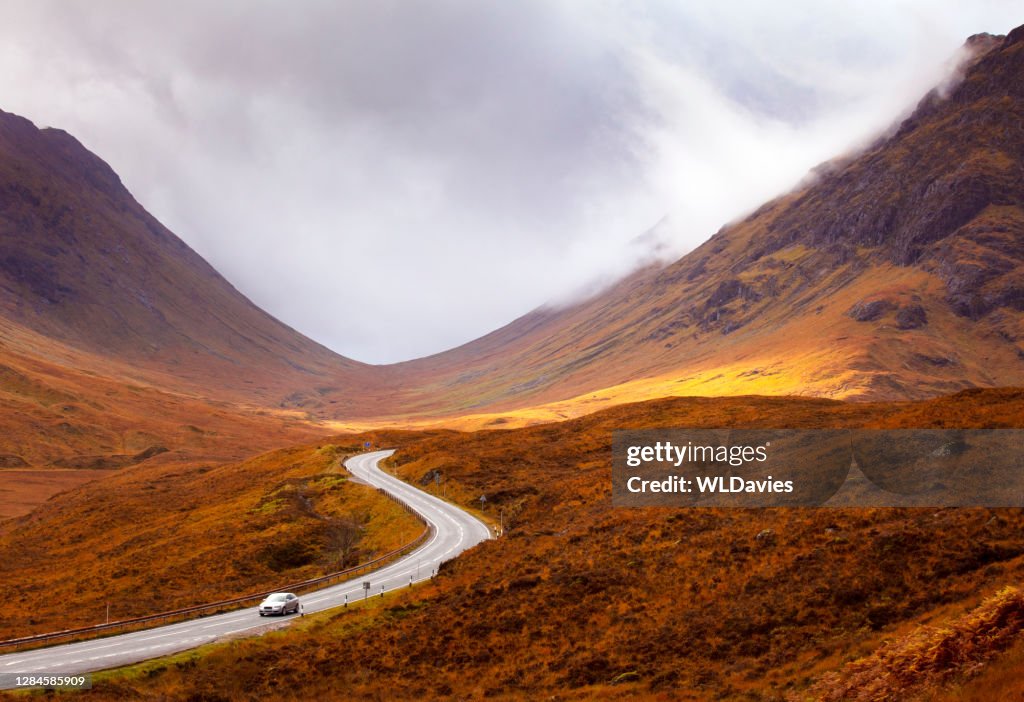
<point x="892" y="273"/>
<point x="82" y="262"/>
<point x="924" y="224"/>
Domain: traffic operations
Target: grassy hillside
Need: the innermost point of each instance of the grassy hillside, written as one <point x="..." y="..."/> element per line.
<point x="582" y="601"/>
<point x="156" y="538"/>
<point x="891" y="273"/>
<point x="64" y="424"/>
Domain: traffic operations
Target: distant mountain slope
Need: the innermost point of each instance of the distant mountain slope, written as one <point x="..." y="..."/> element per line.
<point x="83" y="263"/>
<point x="897" y="273"/>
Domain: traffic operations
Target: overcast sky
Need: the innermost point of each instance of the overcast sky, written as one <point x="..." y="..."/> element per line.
<point x="396" y="178"/>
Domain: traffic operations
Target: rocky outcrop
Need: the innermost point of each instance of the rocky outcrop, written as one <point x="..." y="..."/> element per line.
<point x="870" y="311"/>
<point x="911" y="317"/>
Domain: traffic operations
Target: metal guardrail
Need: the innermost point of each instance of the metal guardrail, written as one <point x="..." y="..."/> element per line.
<point x="184" y="612"/>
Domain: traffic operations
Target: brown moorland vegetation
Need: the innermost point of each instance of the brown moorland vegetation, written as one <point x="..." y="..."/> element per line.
<point x="156" y="538"/>
<point x="68" y="417"/>
<point x="925" y="657"/>
<point x="582" y="601"/>
<point x="24" y="488"/>
<point x="999" y="680"/>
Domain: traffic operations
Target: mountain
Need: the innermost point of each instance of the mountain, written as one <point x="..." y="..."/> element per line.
<point x="894" y="273"/>
<point x="82" y="263"/>
<point x="119" y="345"/>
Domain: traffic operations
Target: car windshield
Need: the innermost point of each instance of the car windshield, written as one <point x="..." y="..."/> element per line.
<point x="279" y="597"/>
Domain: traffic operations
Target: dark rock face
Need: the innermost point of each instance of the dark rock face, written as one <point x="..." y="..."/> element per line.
<point x="944" y="192"/>
<point x="911" y="317"/>
<point x="728" y="291"/>
<point x="39" y="277"/>
<point x="870" y="311"/>
<point x="940" y="361"/>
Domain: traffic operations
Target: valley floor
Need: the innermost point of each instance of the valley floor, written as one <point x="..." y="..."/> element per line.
<point x="582" y="601"/>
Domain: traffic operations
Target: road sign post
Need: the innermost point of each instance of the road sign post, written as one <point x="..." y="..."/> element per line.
<point x="366" y="589"/>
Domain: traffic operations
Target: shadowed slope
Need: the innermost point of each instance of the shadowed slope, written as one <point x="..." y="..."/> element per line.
<point x="83" y="263"/>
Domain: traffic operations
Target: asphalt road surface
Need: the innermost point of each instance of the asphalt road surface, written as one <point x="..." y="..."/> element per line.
<point x="454" y="531"/>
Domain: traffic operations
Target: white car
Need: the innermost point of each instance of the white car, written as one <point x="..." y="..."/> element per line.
<point x="279" y="603"/>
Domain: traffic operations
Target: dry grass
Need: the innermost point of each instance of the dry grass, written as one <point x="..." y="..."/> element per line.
<point x="929" y="656"/>
<point x="582" y="601"/>
<point x="1000" y="680"/>
<point x="56" y="414"/>
<point x="155" y="538"/>
<point x="24" y="488"/>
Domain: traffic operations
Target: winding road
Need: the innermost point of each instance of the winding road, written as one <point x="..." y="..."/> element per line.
<point x="453" y="531"/>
